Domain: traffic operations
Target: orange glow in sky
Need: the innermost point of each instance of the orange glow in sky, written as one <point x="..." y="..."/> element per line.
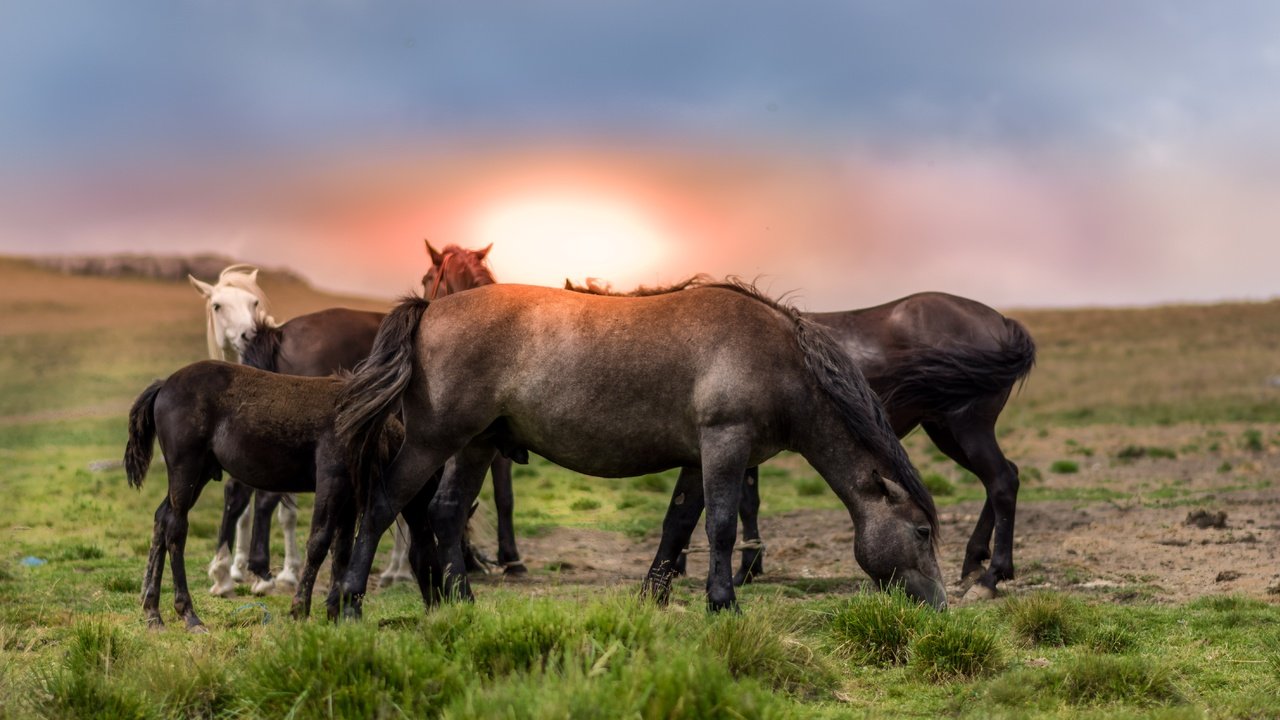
<point x="544" y="238"/>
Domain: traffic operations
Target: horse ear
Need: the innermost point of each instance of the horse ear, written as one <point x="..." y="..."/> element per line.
<point x="568" y="284"/>
<point x="203" y="288"/>
<point x="893" y="490"/>
<point x="484" y="251"/>
<point x="436" y="258"/>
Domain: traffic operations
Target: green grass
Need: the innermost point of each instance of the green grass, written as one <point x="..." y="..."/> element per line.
<point x="1064" y="467"/>
<point x="72" y="641"/>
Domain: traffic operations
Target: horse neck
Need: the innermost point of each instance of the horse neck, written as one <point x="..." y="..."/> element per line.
<point x="838" y="457"/>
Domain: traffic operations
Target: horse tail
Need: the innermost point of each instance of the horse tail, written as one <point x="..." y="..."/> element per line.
<point x="142" y="435"/>
<point x="950" y="377"/>
<point x="263" y="351"/>
<point x="858" y="406"/>
<point x="374" y="390"/>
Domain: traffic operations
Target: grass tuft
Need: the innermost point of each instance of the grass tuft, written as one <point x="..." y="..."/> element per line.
<point x="1110" y="638"/>
<point x="952" y="648"/>
<point x="877" y="627"/>
<point x="81" y="551"/>
<point x="1044" y="618"/>
<point x="1064" y="467"/>
<point x="582" y="504"/>
<point x="122" y="583"/>
<point x="751" y="646"/>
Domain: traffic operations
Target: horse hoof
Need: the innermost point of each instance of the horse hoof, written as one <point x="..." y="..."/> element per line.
<point x="288" y="578"/>
<point x="223" y="591"/>
<point x="979" y="593"/>
<point x="516" y="569"/>
<point x="237" y="574"/>
<point x="198" y="628"/>
<point x="263" y="587"/>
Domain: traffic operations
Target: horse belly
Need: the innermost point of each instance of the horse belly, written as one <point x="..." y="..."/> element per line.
<point x="268" y="466"/>
<point x="606" y="445"/>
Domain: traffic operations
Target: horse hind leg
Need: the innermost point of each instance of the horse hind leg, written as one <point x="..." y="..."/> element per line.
<point x="412" y="469"/>
<point x="972" y="443"/>
<point x="459" y="486"/>
<point x="677" y="526"/>
<point x="398" y="567"/>
<point x="752" y="549"/>
<point x="184" y="489"/>
<point x="155" y="568"/>
<point x="504" y="501"/>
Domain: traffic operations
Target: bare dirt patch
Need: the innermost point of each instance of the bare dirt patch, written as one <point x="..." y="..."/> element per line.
<point x="1116" y="528"/>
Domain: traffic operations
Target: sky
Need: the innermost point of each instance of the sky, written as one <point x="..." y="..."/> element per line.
<point x="1026" y="154"/>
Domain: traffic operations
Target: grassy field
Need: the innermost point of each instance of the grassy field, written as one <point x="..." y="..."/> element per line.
<point x="75" y="351"/>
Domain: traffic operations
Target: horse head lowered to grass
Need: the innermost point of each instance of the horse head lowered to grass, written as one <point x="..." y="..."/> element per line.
<point x="711" y="380"/>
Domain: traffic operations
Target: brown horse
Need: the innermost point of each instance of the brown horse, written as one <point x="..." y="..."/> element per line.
<point x="454" y="270"/>
<point x="941" y="362"/>
<point x="273" y="432"/>
<point x="712" y="380"/>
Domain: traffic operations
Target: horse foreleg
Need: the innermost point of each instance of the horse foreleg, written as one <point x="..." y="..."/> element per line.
<point x="155" y="568"/>
<point x="288" y="515"/>
<point x="504" y="500"/>
<point x="223" y="573"/>
<point x="752" y="550"/>
<point x="260" y="542"/>
<point x="723" y="467"/>
<point x="463" y="475"/>
<point x="677" y="526"/>
<point x="244" y="530"/>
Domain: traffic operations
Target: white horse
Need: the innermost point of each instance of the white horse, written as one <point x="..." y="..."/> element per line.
<point x="234" y="307"/>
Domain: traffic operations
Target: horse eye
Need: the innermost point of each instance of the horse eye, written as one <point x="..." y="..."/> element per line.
<point x="923" y="532"/>
<point x="217" y="307"/>
<point x="255" y="303"/>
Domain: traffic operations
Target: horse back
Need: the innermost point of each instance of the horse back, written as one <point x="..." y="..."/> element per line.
<point x="637" y="375"/>
<point x="261" y="427"/>
<point x="324" y="342"/>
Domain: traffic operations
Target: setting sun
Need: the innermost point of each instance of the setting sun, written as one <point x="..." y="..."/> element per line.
<point x="543" y="240"/>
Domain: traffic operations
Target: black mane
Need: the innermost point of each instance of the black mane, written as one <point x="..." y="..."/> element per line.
<point x="263" y="351"/>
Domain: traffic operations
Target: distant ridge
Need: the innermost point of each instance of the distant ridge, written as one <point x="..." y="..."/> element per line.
<point x="158" y="267"/>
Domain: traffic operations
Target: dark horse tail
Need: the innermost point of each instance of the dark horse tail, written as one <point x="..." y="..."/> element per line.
<point x="950" y="377"/>
<point x="857" y="405"/>
<point x="263" y="351"/>
<point x="142" y="435"/>
<point x="373" y="393"/>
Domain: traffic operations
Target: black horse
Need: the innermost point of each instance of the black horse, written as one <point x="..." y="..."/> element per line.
<point x="712" y="380"/>
<point x="273" y="432"/>
<point x="937" y="361"/>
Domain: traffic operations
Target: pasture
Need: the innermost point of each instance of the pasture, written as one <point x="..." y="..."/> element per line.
<point x="1133" y="423"/>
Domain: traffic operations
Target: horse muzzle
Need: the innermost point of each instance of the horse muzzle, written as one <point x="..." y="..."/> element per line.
<point x="925" y="589"/>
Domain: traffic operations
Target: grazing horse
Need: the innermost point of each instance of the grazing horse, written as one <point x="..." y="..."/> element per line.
<point x="942" y="362"/>
<point x="452" y="270"/>
<point x="712" y="380"/>
<point x="274" y="432"/>
<point x="234" y="307"/>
